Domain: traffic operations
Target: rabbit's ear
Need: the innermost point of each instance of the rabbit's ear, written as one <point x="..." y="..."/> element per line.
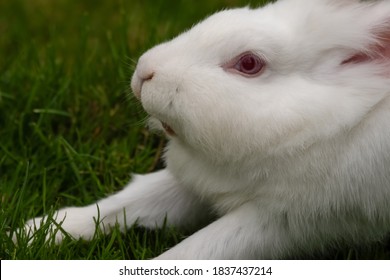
<point x="378" y="50"/>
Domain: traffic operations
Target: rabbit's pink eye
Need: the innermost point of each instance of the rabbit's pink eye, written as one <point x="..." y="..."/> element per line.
<point x="247" y="64"/>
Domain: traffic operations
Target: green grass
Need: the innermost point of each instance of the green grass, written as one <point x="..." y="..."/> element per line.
<point x="70" y="131"/>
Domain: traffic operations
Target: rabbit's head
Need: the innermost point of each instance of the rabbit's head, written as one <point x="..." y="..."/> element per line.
<point x="267" y="80"/>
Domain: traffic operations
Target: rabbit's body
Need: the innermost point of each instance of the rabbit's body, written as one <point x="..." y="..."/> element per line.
<point x="278" y="120"/>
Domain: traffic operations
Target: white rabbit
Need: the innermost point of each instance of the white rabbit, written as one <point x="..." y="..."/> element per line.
<point x="278" y="121"/>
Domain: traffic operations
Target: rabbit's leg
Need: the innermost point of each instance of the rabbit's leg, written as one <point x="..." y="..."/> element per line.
<point x="240" y="234"/>
<point x="149" y="200"/>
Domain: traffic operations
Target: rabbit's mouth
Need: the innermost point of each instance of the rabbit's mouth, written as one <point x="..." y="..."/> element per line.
<point x="168" y="129"/>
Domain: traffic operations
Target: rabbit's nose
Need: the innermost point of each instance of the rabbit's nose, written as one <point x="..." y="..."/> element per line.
<point x="142" y="74"/>
<point x="137" y="82"/>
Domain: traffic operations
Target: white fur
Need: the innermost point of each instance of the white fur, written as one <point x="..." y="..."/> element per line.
<point x="290" y="161"/>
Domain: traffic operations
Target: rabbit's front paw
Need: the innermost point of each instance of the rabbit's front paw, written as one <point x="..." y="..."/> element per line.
<point x="74" y="222"/>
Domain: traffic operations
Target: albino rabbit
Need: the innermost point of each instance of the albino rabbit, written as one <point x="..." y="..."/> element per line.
<point x="278" y="121"/>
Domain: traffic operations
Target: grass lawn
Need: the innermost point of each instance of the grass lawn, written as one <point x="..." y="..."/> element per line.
<point x="70" y="130"/>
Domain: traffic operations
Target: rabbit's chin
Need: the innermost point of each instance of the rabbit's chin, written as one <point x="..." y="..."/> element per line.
<point x="156" y="125"/>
